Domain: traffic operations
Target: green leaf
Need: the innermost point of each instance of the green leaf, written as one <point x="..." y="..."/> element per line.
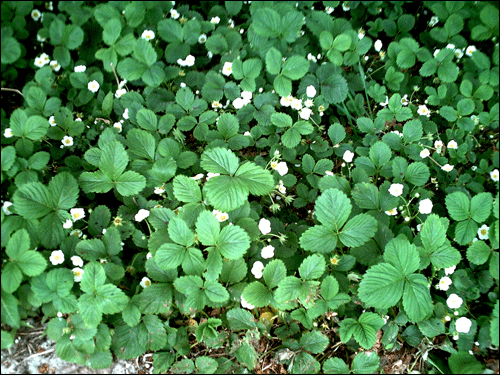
<point x="130" y="183"/>
<point x="382" y="286"/>
<point x="215" y="291"/>
<point x="480" y="207"/>
<point x="219" y="160"/>
<point x="257" y="294"/>
<point x="247" y="355"/>
<point x="464" y="363"/>
<point x="334" y="89"/>
<point x="380" y="154"/>
<point x="186" y="189"/>
<point x="185" y="98"/>
<point x="337" y="133"/>
<point x="412" y="131"/>
<point x="96" y="182"/>
<point x="445" y="256"/>
<point x="144" y="52"/>
<point x="291" y="138"/>
<point x="335" y="366"/>
<point x="141" y="144"/>
<point x="494" y="324"/>
<point x="365" y="363"/>
<point x="479" y="252"/>
<point x="227" y="125"/>
<point x="114" y="159"/>
<point x="342" y="42"/>
<point x="233" y="242"/>
<point x="333" y="208"/>
<point x="11" y="277"/>
<point x="433" y="233"/>
<point x="273" y="61"/>
<point x="358" y="230"/>
<point x="111" y="31"/>
<point x="465" y="231"/>
<point x="288" y="289"/>
<point x="170" y="255"/>
<point x="10" y="310"/>
<point x="366" y="196"/>
<point x="8" y="157"/>
<point x="188" y="285"/>
<point x="458" y="205"/>
<point x="179" y="232"/>
<point x="295" y="67"/>
<point x="274" y="272"/>
<point x="326" y="39"/>
<point x="207" y="228"/>
<point x="314" y="342"/>
<point x="266" y="23"/>
<point x="281" y="120"/>
<point x="364" y="330"/>
<point x="417" y="174"/>
<point x="319" y="238"/>
<point x="93" y="277"/>
<point x="239" y="319"/>
<point x="417" y="300"/>
<point x="282" y="86"/>
<point x="402" y="255"/>
<point x="11" y="51"/>
<point x="312" y="267"/>
<point x="258" y="181"/>
<point x="32" y="200"/>
<point x="225" y="193"/>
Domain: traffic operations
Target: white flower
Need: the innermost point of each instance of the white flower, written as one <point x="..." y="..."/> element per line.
<point x="141" y="215"/>
<point x="80" y="68"/>
<point x="329" y="173"/>
<point x="210" y="175"/>
<point x="447" y="167"/>
<point x="264" y="226"/>
<point x="281" y="168"/>
<point x="145" y="282"/>
<point x="174" y="14"/>
<point x="52" y="121"/>
<point x="227" y="69"/>
<point x="296" y="104"/>
<point x="444" y="283"/>
<point x="7" y="133"/>
<point x="148" y="255"/>
<point x="77" y="213"/>
<point x="5" y="208"/>
<point x="311" y="57"/>
<point x="398" y="133"/>
<point x="396" y="190"/>
<point x="454" y="301"/>
<point x="246" y="305"/>
<point x="199" y="176"/>
<point x="392" y="212"/>
<point x="463" y="325"/>
<point x="452" y="144"/>
<point x="469" y="50"/>
<point x="423" y="111"/>
<point x="267" y="252"/>
<point x="419" y="227"/>
<point x="348" y="155"/>
<point x="329" y="10"/>
<point x="311" y="91"/>
<point x="67" y="141"/>
<point x="40" y="39"/>
<point x="189" y="61"/>
<point x="436" y="52"/>
<point x="386" y="101"/>
<point x="57" y="257"/>
<point x="39" y="62"/>
<point x="433" y="21"/>
<point x="494" y="175"/>
<point x="424" y="153"/>
<point x="282" y="188"/>
<point x="404" y="100"/>
<point x="118" y="125"/>
<point x="77" y="261"/>
<point x="35" y="14"/>
<point x="78" y="273"/>
<point x="482" y="232"/>
<point x="239" y="103"/>
<point x="257" y="269"/>
<point x="361" y="33"/>
<point x="120" y="92"/>
<point x="459" y="53"/>
<point x="59" y="314"/>
<point x="305" y="113"/>
<point x="202" y="38"/>
<point x="247" y="134"/>
<point x="450" y="46"/>
<point x="438" y="145"/>
<point x="378" y="45"/>
<point x="67" y="224"/>
<point x="345" y="6"/>
<point x="215" y="20"/>
<point x="159" y="190"/>
<point x="247" y="95"/>
<point x="286" y="101"/>
<point x="93" y="86"/>
<point x="125" y="114"/>
<point x="450" y="270"/>
<point x="148" y="35"/>
<point x="308" y="103"/>
<point x="425" y="206"/>
<point x="221" y="216"/>
<point x="55" y="66"/>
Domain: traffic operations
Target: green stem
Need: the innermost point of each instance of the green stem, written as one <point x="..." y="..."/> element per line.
<point x="363" y="78"/>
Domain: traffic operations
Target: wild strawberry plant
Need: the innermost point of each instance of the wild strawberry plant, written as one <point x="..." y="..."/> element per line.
<point x="317" y="173"/>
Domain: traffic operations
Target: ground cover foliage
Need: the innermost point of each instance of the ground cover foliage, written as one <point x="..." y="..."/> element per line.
<point x="229" y="171"/>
